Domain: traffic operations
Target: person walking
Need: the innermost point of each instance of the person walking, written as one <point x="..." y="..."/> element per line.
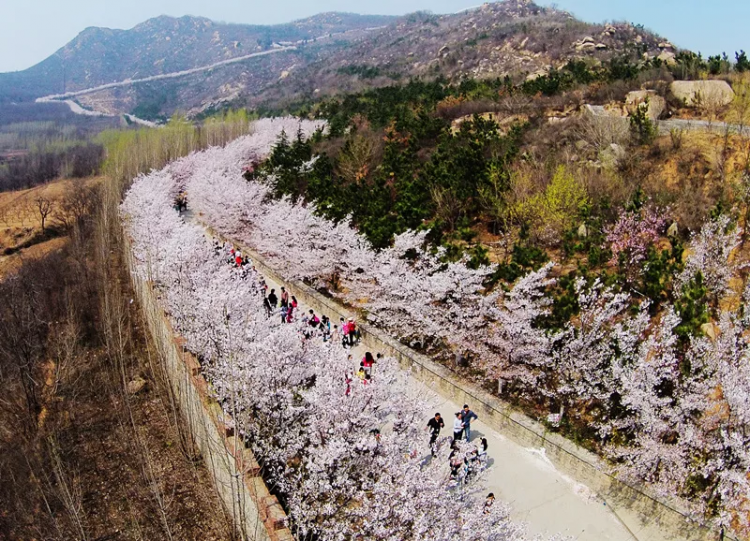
<point x="483" y="448"/>
<point x="468" y="416"/>
<point x="351" y="330"/>
<point x="458" y="427"/>
<point x="348" y="378"/>
<point x="325" y="327"/>
<point x="273" y="299"/>
<point x="267" y="305"/>
<point x="284" y="297"/>
<point x="367" y="362"/>
<point x="314" y="320"/>
<point x="488" y="503"/>
<point x="434" y="425"/>
<point x="290" y="309"/>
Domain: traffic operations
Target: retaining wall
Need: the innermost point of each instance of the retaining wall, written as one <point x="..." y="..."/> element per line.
<point x="257" y="514"/>
<point x="672" y="519"/>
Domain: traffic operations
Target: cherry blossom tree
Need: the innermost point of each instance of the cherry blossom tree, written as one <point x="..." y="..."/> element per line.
<point x="709" y="255"/>
<point x="670" y="413"/>
<point x="348" y="464"/>
<point x="630" y="237"/>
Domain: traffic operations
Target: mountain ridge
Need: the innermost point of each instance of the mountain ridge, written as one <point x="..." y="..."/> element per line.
<point x="99" y="55"/>
<point x="335" y="52"/>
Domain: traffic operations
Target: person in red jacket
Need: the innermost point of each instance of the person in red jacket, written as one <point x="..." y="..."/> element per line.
<point x="351" y="331"/>
<point x="367" y="362"/>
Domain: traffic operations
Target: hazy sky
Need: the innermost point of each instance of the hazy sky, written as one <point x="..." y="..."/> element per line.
<point x="31" y="30"/>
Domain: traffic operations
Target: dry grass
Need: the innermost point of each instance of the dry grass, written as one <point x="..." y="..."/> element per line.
<point x="13" y="262"/>
<point x="20" y="220"/>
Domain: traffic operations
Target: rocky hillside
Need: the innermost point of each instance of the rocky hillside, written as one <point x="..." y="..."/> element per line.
<point x="164" y="45"/>
<point x="513" y="38"/>
<point x="334" y="53"/>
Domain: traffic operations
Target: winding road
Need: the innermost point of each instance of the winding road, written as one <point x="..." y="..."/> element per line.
<point x="173" y="75"/>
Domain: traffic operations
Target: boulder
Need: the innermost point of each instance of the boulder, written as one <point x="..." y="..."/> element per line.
<point x="695" y="93"/>
<point x="665" y="45"/>
<point x="610" y="156"/>
<point x="668" y="57"/>
<point x="600" y="46"/>
<point x="136" y="386"/>
<point x="536" y="74"/>
<point x="656" y="104"/>
<point x="711" y="331"/>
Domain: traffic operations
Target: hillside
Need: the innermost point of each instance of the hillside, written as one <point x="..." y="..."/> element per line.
<point x="511" y="38"/>
<point x="163" y="45"/>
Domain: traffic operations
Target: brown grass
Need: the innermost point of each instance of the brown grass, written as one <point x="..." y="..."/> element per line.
<point x="20" y="221"/>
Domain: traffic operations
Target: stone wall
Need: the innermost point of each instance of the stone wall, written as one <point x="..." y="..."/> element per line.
<point x="256" y="513"/>
<point x="585" y="467"/>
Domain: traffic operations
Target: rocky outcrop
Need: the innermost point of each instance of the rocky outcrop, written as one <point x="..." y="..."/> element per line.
<point x="668" y="57"/>
<point x="697" y="93"/>
<point x="656" y="104"/>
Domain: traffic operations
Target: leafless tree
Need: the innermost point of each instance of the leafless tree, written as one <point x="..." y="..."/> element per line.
<point x="76" y="206"/>
<point x="44" y="207"/>
<point x="601" y="131"/>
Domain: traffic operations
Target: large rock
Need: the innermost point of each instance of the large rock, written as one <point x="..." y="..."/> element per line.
<point x="656" y="104"/>
<point x="612" y="155"/>
<point x="136" y="386"/>
<point x="668" y="57"/>
<point x="695" y="93"/>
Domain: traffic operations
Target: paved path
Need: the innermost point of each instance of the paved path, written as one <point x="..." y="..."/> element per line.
<point x="666" y="126"/>
<point x="548" y="501"/>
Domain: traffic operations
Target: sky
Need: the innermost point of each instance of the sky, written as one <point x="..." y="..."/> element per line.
<point x="32" y="30"/>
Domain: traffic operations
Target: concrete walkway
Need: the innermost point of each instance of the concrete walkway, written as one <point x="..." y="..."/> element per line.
<point x="543" y="498"/>
<point x="548" y="501"/>
<point x="666" y="126"/>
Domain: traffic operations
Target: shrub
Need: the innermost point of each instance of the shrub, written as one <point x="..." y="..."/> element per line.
<point x="742" y="64"/>
<point x="557" y="209"/>
<point x="642" y="129"/>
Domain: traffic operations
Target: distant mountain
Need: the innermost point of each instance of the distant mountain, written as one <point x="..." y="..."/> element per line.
<point x="332" y="52"/>
<point x="163" y="45"/>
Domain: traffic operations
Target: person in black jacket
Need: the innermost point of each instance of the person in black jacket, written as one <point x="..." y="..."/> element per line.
<point x="468" y="416"/>
<point x="434" y="425"/>
<point x="273" y="299"/>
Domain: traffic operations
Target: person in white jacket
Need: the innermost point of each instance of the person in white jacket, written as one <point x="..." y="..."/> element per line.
<point x="458" y="427"/>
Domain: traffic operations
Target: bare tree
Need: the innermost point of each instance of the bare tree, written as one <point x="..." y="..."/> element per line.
<point x="67" y="489"/>
<point x="604" y="130"/>
<point x="44" y="208"/>
<point x="76" y="206"/>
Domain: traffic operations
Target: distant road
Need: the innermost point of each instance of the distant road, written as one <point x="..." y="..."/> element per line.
<point x="173" y="75"/>
<point x="176" y="74"/>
